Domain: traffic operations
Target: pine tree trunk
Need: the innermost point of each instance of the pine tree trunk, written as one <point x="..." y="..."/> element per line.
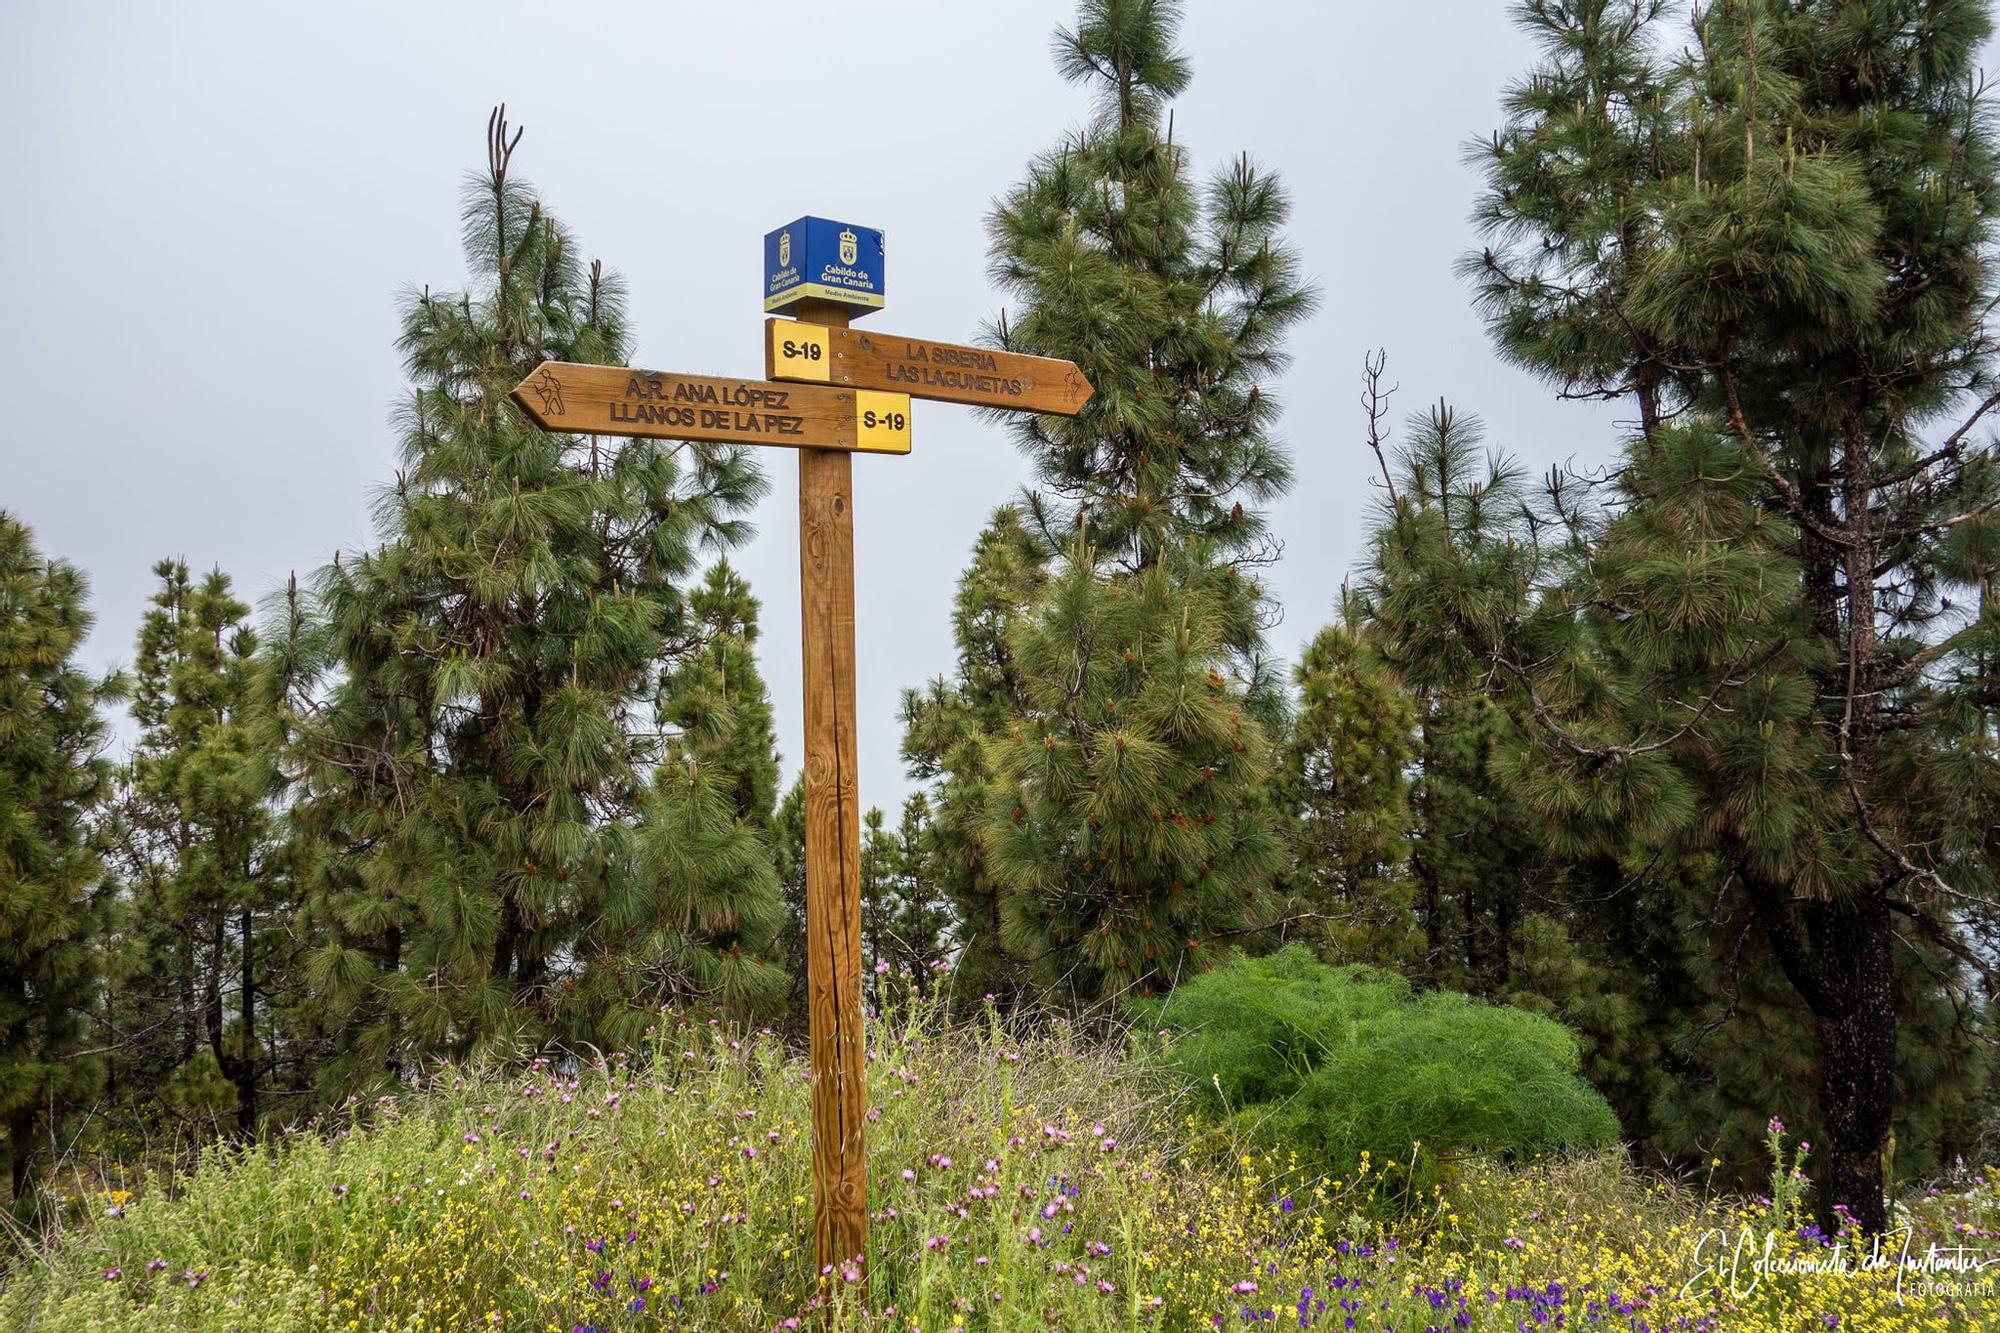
<point x="392" y="1063"/>
<point x="21" y="1124"/>
<point x="1845" y="972"/>
<point x="211" y="989"/>
<point x="246" y="1063"/>
<point x="1854" y="939"/>
<point x="1857" y="1050"/>
<point x="1502" y="959"/>
<point x="503" y="943"/>
<point x="20" y="1129"/>
<point x="190" y="1035"/>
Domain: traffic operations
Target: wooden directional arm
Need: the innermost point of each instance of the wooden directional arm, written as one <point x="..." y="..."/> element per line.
<point x="809" y="353"/>
<point x="620" y="400"/>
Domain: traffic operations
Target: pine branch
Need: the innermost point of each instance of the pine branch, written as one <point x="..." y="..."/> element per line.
<point x="1787" y="493"/>
<point x="1947" y="451"/>
<point x="1936" y="933"/>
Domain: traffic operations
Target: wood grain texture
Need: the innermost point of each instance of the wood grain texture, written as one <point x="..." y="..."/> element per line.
<point x="925" y="368"/>
<point x="833" y="846"/>
<point x="616" y="400"/>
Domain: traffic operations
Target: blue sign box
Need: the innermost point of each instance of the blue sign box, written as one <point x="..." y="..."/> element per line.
<point x="833" y="261"/>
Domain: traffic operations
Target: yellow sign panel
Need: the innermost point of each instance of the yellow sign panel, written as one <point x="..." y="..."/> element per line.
<point x="800" y="351"/>
<point x="881" y="422"/>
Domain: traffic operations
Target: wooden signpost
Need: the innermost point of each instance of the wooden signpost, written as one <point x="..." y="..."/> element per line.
<point x="830" y="392"/>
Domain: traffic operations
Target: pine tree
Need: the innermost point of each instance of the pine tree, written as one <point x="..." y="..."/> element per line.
<point x="1481" y="860"/>
<point x="1775" y="239"/>
<point x="1174" y="297"/>
<point x="1347" y="764"/>
<point x="1686" y="1022"/>
<point x="717" y="698"/>
<point x="1129" y="824"/>
<point x="920" y="915"/>
<point x="947" y="727"/>
<point x="202" y="858"/>
<point x="788" y="855"/>
<point x="881" y="857"/>
<point x="468" y="707"/>
<point x="904" y="921"/>
<point x="53" y="784"/>
<point x="704" y="928"/>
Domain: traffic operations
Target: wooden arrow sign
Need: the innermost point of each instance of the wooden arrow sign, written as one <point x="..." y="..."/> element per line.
<point x="948" y="372"/>
<point x="616" y="400"/>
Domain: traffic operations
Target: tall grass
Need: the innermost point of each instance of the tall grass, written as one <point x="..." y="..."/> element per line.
<point x="1020" y="1178"/>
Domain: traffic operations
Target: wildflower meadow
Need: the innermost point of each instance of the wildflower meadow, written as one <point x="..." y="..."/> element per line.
<point x="1023" y="1177"/>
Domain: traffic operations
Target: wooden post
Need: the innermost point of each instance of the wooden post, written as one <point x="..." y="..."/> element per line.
<point x="833" y="843"/>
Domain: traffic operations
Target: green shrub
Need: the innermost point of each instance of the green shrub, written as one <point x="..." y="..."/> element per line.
<point x="1342" y="1064"/>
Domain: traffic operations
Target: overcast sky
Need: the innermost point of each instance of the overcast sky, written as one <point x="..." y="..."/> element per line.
<point x="209" y="211"/>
